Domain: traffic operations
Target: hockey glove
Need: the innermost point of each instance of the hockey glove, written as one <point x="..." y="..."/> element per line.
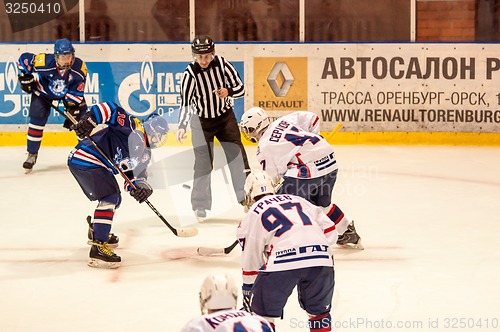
<point x="247" y="298"/>
<point x="27" y="82"/>
<point x="73" y="111"/>
<point x="247" y="202"/>
<point x="142" y="191"/>
<point x="84" y="127"/>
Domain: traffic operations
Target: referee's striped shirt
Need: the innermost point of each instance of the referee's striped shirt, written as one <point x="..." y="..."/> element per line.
<point x="197" y="88"/>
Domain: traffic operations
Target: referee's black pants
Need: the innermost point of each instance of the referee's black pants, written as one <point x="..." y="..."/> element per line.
<point x="225" y="129"/>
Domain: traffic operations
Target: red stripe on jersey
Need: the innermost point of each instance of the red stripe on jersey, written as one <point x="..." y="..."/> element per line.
<point x="70" y="97"/>
<point x="329" y="229"/>
<point x="250" y="273"/>
<point x="86" y="155"/>
<point x="105" y="112"/>
<point x="315" y="121"/>
<point x="302" y="167"/>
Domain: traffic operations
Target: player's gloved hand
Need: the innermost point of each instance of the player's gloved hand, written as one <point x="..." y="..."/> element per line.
<point x="142" y="190"/>
<point x="74" y="111"/>
<point x="27" y="82"/>
<point x="247" y="202"/>
<point x="84" y="127"/>
<point x="245" y="289"/>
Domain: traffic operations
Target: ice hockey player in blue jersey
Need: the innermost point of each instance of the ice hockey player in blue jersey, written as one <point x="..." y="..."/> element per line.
<point x="218" y="299"/>
<point x="127" y="142"/>
<point x="60" y="76"/>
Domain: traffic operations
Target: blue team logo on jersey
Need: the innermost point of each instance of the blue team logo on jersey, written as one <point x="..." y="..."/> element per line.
<point x="58" y="87"/>
<point x="118" y="155"/>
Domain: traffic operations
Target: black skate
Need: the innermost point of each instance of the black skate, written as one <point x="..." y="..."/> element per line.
<point x="112" y="239"/>
<point x="350" y="238"/>
<point x="102" y="256"/>
<point x="30" y="162"/>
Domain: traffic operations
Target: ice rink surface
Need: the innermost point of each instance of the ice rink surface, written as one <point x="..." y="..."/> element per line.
<point x="429" y="218"/>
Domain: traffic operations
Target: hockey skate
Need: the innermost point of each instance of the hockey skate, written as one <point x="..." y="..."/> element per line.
<point x="350" y="238"/>
<point x="30" y="162"/>
<point x="102" y="256"/>
<point x="112" y="239"/>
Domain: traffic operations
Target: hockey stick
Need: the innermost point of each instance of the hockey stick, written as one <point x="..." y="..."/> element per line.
<point x="330" y="134"/>
<point x="207" y="251"/>
<point x="186" y="232"/>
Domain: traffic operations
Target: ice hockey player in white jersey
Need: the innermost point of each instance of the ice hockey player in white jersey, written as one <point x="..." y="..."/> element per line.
<point x="285" y="244"/>
<point x="218" y="299"/>
<point x="291" y="148"/>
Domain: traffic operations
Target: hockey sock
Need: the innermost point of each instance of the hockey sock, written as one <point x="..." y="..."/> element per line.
<point x="270" y="320"/>
<point x="320" y="323"/>
<point x="101" y="231"/>
<point x="337" y="216"/>
<point x="35" y="133"/>
<point x="103" y="218"/>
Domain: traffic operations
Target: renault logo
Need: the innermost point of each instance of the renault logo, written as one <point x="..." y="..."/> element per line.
<point x="272" y="79"/>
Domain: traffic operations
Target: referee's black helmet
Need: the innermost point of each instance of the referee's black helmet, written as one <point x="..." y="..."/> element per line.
<point x="202" y="44"/>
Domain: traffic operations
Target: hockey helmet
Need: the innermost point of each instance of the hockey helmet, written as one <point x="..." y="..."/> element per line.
<point x="61" y="48"/>
<point x="253" y="122"/>
<point x="202" y="44"/>
<point x="218" y="291"/>
<point x="156" y="128"/>
<point x="258" y="183"/>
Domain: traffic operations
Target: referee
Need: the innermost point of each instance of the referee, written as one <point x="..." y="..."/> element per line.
<point x="208" y="85"/>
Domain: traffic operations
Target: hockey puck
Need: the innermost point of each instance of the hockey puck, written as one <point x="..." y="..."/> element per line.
<point x="187" y="186"/>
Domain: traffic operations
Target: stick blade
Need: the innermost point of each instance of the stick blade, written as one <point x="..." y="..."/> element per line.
<point x="187" y="232"/>
<point x="206" y="251"/>
<point x="329" y="136"/>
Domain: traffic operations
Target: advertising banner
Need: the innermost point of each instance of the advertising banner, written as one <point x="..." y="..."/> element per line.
<point x="369" y="88"/>
<point x="139" y="82"/>
<point x="383" y="87"/>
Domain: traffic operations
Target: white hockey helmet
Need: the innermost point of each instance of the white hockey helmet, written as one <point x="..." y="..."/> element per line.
<point x="253" y="122"/>
<point x="257" y="184"/>
<point x="218" y="291"/>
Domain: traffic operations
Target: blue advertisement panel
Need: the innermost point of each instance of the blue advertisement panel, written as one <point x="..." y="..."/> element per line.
<point x="140" y="87"/>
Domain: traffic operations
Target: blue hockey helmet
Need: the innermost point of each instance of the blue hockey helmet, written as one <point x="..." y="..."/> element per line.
<point x="156" y="128"/>
<point x="63" y="46"/>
